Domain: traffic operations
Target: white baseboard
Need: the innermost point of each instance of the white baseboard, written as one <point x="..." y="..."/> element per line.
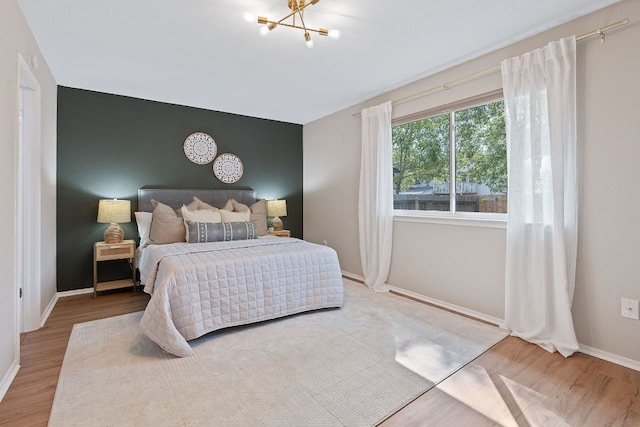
<point x="75" y="292"/>
<point x="449" y="306"/>
<point x="48" y="310"/>
<point x="54" y="300"/>
<point x="56" y="297"/>
<point x="443" y="304"/>
<point x="8" y="378"/>
<point x="610" y="357"/>
<point x="352" y="276"/>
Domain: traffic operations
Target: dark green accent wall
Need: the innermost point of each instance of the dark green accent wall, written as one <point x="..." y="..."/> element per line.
<point x="110" y="145"/>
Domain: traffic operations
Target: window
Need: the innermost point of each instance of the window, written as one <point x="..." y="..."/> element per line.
<point x="465" y="145"/>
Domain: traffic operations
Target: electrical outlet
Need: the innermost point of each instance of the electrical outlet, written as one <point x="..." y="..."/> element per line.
<point x="630" y="308"/>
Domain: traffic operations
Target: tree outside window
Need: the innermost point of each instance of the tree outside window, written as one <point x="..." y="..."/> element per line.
<point x="422" y="157"/>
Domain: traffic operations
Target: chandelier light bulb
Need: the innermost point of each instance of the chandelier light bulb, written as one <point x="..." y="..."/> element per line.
<point x="334" y="34"/>
<point x="308" y="40"/>
<point x="264" y="30"/>
<point x="250" y="17"/>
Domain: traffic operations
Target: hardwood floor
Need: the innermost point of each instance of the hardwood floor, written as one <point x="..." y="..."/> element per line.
<point x="28" y="401"/>
<point x="519" y="384"/>
<point x="512" y="384"/>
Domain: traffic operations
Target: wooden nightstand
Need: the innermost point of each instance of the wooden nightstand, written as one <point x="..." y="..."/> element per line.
<point x="109" y="251"/>
<point x="280" y="233"/>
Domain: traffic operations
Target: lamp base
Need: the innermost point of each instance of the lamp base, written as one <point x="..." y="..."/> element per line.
<point x="277" y="223"/>
<point x="113" y="234"/>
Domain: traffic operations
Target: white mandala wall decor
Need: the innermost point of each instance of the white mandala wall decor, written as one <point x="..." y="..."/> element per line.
<point x="200" y="148"/>
<point x="228" y="168"/>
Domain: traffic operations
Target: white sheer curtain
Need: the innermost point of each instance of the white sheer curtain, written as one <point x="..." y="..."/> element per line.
<point x="540" y="104"/>
<point x="375" y="207"/>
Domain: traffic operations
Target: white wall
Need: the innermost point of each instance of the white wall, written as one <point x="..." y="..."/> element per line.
<point x="15" y="36"/>
<point x="464" y="266"/>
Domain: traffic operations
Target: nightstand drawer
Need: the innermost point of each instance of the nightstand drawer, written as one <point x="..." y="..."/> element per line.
<point x="109" y="251"/>
<point x="280" y="233"/>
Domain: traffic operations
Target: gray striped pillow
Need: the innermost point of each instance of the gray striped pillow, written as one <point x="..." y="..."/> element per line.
<point x="200" y="232"/>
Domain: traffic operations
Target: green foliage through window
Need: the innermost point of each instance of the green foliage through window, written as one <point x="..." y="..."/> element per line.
<point x="421" y="160"/>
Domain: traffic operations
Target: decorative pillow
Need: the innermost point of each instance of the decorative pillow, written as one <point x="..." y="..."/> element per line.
<point x="229" y="205"/>
<point x="259" y="215"/>
<point x="237" y="206"/>
<point x="143" y="220"/>
<point x="166" y="226"/>
<point x="200" y="232"/>
<point x="199" y="205"/>
<point x="228" y="216"/>
<point x="258" y="212"/>
<point x="202" y="215"/>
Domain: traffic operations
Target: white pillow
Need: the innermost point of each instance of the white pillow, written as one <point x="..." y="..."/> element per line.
<point x="228" y="216"/>
<point x="201" y="215"/>
<point x="143" y="220"/>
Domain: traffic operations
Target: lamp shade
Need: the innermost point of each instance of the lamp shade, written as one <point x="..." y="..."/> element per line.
<point x="276" y="207"/>
<point x="114" y="211"/>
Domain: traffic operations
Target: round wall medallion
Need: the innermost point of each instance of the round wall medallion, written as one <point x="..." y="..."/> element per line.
<point x="228" y="168"/>
<point x="200" y="148"/>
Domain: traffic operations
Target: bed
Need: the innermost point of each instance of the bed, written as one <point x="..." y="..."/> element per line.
<point x="197" y="288"/>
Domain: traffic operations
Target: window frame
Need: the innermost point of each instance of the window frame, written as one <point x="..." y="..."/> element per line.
<point x="452" y="217"/>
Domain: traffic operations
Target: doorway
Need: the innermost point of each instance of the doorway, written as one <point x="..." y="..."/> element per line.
<point x="28" y="236"/>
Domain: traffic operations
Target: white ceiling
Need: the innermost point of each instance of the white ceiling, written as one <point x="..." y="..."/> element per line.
<point x="203" y="53"/>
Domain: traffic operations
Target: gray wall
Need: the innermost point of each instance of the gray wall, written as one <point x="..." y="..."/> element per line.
<point x="461" y="264"/>
<point x="110" y="145"/>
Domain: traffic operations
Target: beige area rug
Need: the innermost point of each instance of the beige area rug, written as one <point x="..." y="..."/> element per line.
<point x="353" y="366"/>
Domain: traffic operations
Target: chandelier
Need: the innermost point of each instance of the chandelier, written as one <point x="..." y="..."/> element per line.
<point x="296" y="20"/>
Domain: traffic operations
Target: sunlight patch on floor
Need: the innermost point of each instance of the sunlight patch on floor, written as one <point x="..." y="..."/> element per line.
<point x="425" y="359"/>
<point x="537" y="409"/>
<point x="472" y="386"/>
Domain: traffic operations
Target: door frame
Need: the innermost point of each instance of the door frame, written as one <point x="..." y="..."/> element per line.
<point x="28" y="200"/>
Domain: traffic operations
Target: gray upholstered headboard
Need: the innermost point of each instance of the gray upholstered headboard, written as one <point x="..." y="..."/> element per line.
<point x="177" y="197"/>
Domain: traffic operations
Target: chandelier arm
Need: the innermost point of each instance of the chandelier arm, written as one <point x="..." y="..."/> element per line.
<point x="296" y="11"/>
<point x="299" y="10"/>
<point x="286" y="17"/>
<point x="296" y="26"/>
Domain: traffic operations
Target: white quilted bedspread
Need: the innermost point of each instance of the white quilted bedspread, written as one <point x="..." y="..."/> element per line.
<point x="199" y="288"/>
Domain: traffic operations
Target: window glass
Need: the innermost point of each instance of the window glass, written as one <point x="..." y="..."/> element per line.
<point x="422" y="157"/>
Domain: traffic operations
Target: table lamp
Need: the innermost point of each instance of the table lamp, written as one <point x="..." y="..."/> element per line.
<point x="276" y="209"/>
<point x="114" y="211"/>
